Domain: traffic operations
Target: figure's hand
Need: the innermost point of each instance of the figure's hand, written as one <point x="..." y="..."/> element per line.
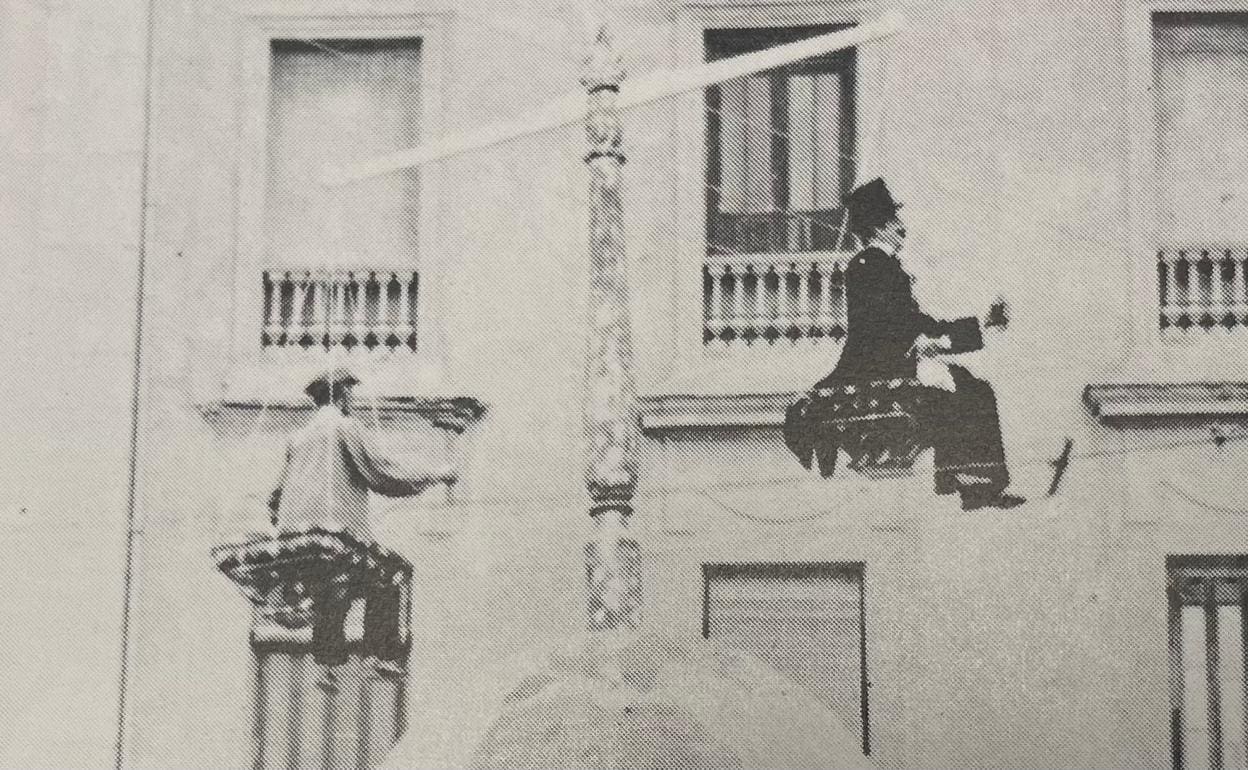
<point x="448" y="475"/>
<point x="998" y="316"/>
<point x="275" y="502"/>
<point x="927" y="347"/>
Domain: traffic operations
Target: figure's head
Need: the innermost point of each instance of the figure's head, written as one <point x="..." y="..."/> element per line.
<point x="333" y="387"/>
<point x="890" y="236"/>
<point x="873" y="215"/>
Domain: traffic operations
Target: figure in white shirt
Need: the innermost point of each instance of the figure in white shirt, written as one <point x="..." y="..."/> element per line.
<point x="332" y="463"/>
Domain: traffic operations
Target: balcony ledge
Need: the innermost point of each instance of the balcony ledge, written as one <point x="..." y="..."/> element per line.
<point x="453" y="413"/>
<point x="740" y="390"/>
<point x="666" y="413"/>
<point x="1124" y="402"/>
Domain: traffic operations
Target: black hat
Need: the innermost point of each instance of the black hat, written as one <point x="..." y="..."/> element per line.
<point x="327" y="384"/>
<point x="870" y="206"/>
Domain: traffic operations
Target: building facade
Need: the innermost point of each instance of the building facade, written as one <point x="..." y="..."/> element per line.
<point x="1079" y="160"/>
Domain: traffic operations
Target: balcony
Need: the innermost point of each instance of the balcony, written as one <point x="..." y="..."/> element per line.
<point x="1202" y="290"/>
<point x="359" y="312"/>
<point x="767" y="300"/>
<point x="774" y="277"/>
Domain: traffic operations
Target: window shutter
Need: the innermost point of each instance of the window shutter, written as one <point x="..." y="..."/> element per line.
<point x="807" y="623"/>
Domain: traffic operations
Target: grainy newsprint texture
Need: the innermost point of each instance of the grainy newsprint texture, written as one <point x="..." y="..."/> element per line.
<point x="629" y="384"/>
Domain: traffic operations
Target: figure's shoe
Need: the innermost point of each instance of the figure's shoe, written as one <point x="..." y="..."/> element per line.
<point x="974" y="501"/>
<point x="387" y="669"/>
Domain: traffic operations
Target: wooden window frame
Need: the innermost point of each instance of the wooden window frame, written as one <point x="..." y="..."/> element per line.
<point x="1163" y="357"/>
<point x="259" y="27"/>
<point x="856" y="570"/>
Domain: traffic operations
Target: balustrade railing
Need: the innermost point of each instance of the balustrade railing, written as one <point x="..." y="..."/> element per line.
<point x="1202" y="288"/>
<point x="370" y="310"/>
<point x="749" y="298"/>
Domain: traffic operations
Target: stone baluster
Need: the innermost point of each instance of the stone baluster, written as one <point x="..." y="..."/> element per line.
<point x="294" y="332"/>
<point x="1173" y="296"/>
<point x="759" y="315"/>
<point x="786" y="306"/>
<point x="1224" y="274"/>
<point x="802" y="321"/>
<point x="1183" y="278"/>
<point x="359" y="318"/>
<point x="836" y="295"/>
<point x="340" y="310"/>
<point x="394" y="307"/>
<point x="316" y="298"/>
<point x="736" y="299"/>
<point x="714" y="317"/>
<point x="612" y="424"/>
<point x="273" y="304"/>
<point x="1239" y="285"/>
<point x="823" y="303"/>
<point x="1205" y="277"/>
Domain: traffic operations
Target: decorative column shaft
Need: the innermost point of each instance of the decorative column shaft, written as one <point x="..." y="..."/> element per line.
<point x="612" y="426"/>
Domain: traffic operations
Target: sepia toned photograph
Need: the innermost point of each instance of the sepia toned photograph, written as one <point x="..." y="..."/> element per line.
<point x="624" y="384"/>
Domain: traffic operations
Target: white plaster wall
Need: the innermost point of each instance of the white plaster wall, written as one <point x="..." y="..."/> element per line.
<point x="989" y="646"/>
<point x="71" y="124"/>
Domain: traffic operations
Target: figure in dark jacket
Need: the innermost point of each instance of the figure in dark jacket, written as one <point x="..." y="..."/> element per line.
<point x="888" y="333"/>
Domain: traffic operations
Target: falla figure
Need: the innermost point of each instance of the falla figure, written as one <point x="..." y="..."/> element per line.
<point x="332" y="464"/>
<point x="890" y="338"/>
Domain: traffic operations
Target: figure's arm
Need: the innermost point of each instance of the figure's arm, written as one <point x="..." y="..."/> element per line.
<point x="967" y="334"/>
<point x="387" y="475"/>
<point x="275" y="499"/>
<point x="964" y="334"/>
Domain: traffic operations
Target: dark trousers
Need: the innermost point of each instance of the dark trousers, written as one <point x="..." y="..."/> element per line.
<point x="965" y="431"/>
<point x="382" y="617"/>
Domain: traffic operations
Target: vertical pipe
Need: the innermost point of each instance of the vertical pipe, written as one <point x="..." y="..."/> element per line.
<point x="130" y="563"/>
<point x="864" y="681"/>
<point x="365" y="748"/>
<point x="1243" y="636"/>
<point x="1214" y="684"/>
<point x="296" y="710"/>
<point x="1175" y="649"/>
<point x="259" y="716"/>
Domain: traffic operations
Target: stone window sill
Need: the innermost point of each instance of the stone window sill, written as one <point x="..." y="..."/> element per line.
<point x="1113" y="402"/>
<point x="453" y="413"/>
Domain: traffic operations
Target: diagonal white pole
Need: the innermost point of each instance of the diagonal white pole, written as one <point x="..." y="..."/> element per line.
<point x="571" y="107"/>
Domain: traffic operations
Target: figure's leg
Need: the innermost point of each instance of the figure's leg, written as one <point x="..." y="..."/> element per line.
<point x="934" y="415"/>
<point x="968" y="444"/>
<point x="382" y="624"/>
<point x="329" y="635"/>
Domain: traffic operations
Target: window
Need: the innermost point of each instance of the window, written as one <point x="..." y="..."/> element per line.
<point x="805" y="620"/>
<point x="780" y="155"/>
<point x="1208" y="600"/>
<point x="340" y="266"/>
<point x="1200" y="86"/>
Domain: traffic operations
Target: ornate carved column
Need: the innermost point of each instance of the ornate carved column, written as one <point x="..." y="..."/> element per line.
<point x="612" y="427"/>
